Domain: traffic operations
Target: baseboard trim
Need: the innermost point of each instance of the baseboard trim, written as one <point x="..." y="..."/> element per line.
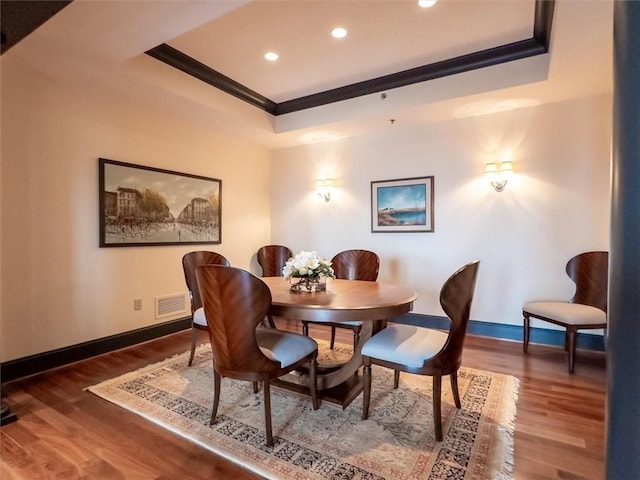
<point x="541" y="336"/>
<point x="40" y="362"/>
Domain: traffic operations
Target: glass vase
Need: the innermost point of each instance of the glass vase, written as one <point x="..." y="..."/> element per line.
<point x="308" y="285"/>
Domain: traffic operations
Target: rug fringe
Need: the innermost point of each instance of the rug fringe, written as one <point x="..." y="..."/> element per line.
<point x="506" y="425"/>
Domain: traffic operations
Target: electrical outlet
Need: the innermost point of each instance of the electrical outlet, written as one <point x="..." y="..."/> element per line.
<point x="137" y="304"/>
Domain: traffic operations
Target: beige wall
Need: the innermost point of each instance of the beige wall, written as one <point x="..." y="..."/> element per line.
<point x="58" y="288"/>
<point x="555" y="206"/>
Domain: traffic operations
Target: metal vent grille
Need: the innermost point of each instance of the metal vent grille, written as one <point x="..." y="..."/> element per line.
<point x="171" y="305"/>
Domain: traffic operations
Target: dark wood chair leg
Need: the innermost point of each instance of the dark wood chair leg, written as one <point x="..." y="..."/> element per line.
<point x="366" y="394"/>
<point x="268" y="322"/>
<point x="437" y="416"/>
<point x="194" y="336"/>
<point x="356" y="337"/>
<point x="256" y="387"/>
<point x="333" y="337"/>
<point x="525" y="342"/>
<point x="216" y="396"/>
<point x="267" y="413"/>
<point x="396" y="378"/>
<point x="305" y="328"/>
<point x="454" y="389"/>
<point x="313" y="379"/>
<point x="571" y="348"/>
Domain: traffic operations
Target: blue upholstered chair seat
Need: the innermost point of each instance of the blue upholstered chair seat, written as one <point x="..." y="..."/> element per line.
<point x="284" y="347"/>
<point x="199" y="318"/>
<point x="352" y="323"/>
<point x="405" y="344"/>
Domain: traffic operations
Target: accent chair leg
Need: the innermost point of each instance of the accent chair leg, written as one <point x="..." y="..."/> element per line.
<point x="396" y="378"/>
<point x="571" y="348"/>
<point x="525" y="342"/>
<point x="437" y="416"/>
<point x="356" y="337"/>
<point x="366" y="394"/>
<point x="305" y="328"/>
<point x="267" y="413"/>
<point x="333" y="337"/>
<point x="454" y="389"/>
<point x="256" y="387"/>
<point x="216" y="396"/>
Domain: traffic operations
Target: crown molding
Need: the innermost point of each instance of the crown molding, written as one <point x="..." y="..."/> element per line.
<point x="538" y="44"/>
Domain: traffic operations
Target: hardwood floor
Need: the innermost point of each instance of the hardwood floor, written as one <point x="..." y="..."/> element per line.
<point x="65" y="432"/>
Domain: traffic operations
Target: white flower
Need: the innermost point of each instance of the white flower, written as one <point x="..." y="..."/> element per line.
<point x="307" y="264"/>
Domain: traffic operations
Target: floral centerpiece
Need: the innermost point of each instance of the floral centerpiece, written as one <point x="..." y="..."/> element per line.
<point x="308" y="272"/>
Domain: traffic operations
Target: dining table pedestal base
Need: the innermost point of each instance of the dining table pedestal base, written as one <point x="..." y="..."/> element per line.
<point x="342" y="394"/>
<point x="372" y="303"/>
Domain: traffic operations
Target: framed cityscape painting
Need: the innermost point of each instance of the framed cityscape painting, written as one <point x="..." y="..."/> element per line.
<point x="143" y="206"/>
<point x="403" y="205"/>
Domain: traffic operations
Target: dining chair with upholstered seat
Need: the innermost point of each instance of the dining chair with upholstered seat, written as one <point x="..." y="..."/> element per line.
<point x="190" y="262"/>
<point x="235" y="304"/>
<point x="586" y="310"/>
<point x="426" y="351"/>
<point x="272" y="259"/>
<point x="350" y="265"/>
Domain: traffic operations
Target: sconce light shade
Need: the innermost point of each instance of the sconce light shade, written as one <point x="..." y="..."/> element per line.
<point x="506" y="168"/>
<point x="498" y="174"/>
<point x="490" y="168"/>
<point x="324" y="187"/>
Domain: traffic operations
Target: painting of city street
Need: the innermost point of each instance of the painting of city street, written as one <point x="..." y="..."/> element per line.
<point x="404" y="205"/>
<point x="143" y="206"/>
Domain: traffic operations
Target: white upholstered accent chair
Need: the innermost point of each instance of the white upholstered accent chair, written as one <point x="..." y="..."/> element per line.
<point x="235" y="303"/>
<point x="586" y="310"/>
<point x="426" y="351"/>
<point x="190" y="261"/>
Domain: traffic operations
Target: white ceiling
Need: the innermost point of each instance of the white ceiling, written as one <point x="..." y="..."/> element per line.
<point x="384" y="37"/>
<point x="102" y="42"/>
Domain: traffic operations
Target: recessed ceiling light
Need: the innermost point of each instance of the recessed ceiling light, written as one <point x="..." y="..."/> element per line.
<point x="271" y="56"/>
<point x="427" y="3"/>
<point x="339" y="32"/>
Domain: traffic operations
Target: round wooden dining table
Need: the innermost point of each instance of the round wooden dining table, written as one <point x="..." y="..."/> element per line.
<point x="372" y="303"/>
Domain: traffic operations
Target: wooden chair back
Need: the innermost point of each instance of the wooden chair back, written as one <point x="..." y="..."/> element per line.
<point x="190" y="262"/>
<point x="235" y="303"/>
<point x="272" y="258"/>
<point x="356" y="265"/>
<point x="456" y="296"/>
<point x="590" y="272"/>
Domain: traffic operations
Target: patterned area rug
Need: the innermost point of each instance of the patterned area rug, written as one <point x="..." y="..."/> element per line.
<point x="397" y="441"/>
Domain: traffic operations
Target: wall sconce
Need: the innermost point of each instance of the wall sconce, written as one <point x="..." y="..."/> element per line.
<point x="498" y="174"/>
<point x="324" y="187"/>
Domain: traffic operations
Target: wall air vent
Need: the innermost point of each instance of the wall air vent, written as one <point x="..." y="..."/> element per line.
<point x="171" y="305"/>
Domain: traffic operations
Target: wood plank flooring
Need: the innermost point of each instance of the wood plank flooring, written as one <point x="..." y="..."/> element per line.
<point x="63" y="432"/>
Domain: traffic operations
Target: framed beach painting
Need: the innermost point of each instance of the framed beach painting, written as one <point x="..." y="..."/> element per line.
<point x="403" y="205"/>
<point x="143" y="206"/>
